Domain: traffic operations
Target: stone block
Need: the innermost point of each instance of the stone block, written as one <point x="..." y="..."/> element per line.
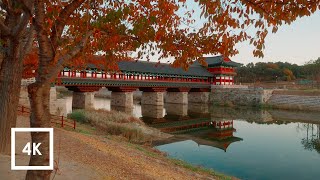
<point x="152" y="111"/>
<point x="198" y="97"/>
<point x="152" y="98"/>
<point x="177" y="97"/>
<point x="82" y="100"/>
<point x="176" y="109"/>
<point x="124" y="99"/>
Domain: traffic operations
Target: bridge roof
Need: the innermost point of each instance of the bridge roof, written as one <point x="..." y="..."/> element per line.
<point x="162" y="68"/>
<point x="144" y="67"/>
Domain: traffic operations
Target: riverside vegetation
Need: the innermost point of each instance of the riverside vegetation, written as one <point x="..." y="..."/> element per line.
<point x="119" y="124"/>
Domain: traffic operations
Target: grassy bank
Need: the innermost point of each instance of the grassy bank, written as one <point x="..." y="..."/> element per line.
<point x="119" y="124"/>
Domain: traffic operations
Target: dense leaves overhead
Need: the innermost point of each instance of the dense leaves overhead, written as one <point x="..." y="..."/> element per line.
<point x="164" y="27"/>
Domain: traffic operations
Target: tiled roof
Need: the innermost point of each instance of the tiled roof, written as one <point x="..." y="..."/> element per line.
<point x="165" y="69"/>
<point x="196" y="69"/>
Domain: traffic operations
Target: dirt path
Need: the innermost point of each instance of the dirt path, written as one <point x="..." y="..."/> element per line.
<point x="81" y="156"/>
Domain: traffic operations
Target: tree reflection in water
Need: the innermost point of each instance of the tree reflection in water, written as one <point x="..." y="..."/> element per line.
<point x="311" y="141"/>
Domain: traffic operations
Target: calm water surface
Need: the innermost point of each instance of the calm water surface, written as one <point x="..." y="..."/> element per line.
<point x="254" y="144"/>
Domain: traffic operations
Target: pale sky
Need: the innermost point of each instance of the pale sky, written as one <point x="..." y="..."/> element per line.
<point x="295" y="43"/>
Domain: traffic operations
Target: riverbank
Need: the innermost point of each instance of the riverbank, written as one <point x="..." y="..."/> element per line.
<point x="89" y="154"/>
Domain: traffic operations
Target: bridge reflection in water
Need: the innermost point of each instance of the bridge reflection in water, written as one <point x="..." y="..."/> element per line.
<point x="214" y="126"/>
<point x="194" y="123"/>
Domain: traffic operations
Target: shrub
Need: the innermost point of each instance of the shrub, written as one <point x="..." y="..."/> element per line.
<point x="78" y="115"/>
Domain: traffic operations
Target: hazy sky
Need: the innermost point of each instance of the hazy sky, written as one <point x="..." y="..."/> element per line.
<point x="297" y="43"/>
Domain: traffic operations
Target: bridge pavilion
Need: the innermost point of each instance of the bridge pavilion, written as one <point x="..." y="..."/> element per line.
<point x="153" y="79"/>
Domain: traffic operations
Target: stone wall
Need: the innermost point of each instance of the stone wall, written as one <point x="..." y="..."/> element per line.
<point x="258" y="97"/>
<point x="241" y="96"/>
<point x="295" y="102"/>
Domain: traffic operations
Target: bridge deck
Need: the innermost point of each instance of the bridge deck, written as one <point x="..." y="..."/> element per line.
<point x="75" y="81"/>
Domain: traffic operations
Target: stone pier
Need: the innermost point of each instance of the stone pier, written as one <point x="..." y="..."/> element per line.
<point x="152" y="111"/>
<point x="152" y="96"/>
<point x="82" y="100"/>
<point x="198" y="110"/>
<point x="177" y="95"/>
<point x="83" y="96"/>
<point x="122" y="99"/>
<point x="176" y="109"/>
<point x="198" y="96"/>
<point x="128" y="110"/>
<point x="122" y="96"/>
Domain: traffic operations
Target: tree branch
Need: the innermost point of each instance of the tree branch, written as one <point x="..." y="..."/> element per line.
<point x="27" y="8"/>
<point x="4" y="29"/>
<point x="27" y="42"/>
<point x="71" y="54"/>
<point x="46" y="52"/>
<point x="62" y="19"/>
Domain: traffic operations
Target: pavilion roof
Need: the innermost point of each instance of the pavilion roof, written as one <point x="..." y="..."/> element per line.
<point x="217" y="61"/>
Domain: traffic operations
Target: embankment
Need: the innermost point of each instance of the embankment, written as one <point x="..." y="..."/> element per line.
<point x="277" y="99"/>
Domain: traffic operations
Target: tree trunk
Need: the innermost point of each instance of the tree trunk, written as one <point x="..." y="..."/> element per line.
<point x="39" y="95"/>
<point x="10" y="84"/>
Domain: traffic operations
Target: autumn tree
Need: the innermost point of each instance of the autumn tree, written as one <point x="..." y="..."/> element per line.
<point x="16" y="35"/>
<point x="66" y="30"/>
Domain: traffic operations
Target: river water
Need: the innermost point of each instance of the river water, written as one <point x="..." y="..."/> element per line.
<point x="245" y="143"/>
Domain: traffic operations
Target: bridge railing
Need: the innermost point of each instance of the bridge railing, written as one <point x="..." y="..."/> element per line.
<point x="63" y="121"/>
<point x="130" y="77"/>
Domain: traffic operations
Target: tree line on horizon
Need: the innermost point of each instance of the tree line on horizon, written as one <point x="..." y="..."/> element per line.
<point x="278" y="71"/>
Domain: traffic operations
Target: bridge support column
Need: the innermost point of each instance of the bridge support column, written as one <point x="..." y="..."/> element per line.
<point x="83" y="96"/>
<point x="127" y="110"/>
<point x="177" y="95"/>
<point x="82" y="100"/>
<point x="198" y="110"/>
<point x="179" y="110"/>
<point x="198" y="95"/>
<point x="152" y="96"/>
<point x="151" y="111"/>
<point x="122" y="97"/>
